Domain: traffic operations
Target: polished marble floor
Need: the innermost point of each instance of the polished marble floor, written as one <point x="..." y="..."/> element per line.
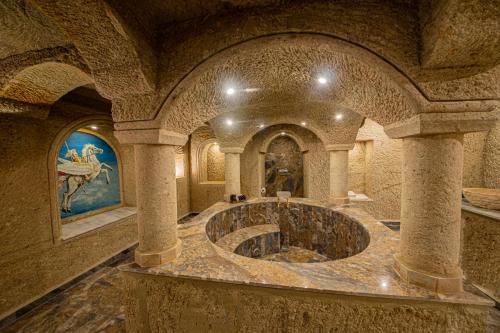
<point x="92" y="305"/>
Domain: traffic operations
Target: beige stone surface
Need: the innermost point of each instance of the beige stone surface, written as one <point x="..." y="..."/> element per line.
<point x="431" y="204"/>
<point x="492" y="158"/>
<point x="156" y="204"/>
<point x="232" y="174"/>
<point x="215" y="163"/>
<point x="32" y="261"/>
<point x="339" y="164"/>
<point x="212" y="306"/>
<point x="480" y="252"/>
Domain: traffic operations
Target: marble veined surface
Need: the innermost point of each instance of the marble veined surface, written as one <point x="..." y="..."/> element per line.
<point x="369" y="273"/>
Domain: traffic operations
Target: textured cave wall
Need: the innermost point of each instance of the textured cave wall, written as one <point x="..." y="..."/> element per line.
<point x="183" y="183"/>
<point x="153" y="303"/>
<point x="316" y="175"/>
<point x="383" y="171"/>
<point x="492" y="158"/>
<point x="215" y="164"/>
<point x="357" y="167"/>
<point x="31" y="263"/>
<point x="480" y="252"/>
<point x="473" y="172"/>
<point x="203" y="193"/>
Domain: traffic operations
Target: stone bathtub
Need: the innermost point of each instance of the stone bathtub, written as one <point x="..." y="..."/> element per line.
<point x="306" y="266"/>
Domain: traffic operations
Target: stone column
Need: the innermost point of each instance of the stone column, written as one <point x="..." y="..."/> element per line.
<point x="156" y="193"/>
<point x="232" y="170"/>
<point x="431" y="200"/>
<point x="339" y="172"/>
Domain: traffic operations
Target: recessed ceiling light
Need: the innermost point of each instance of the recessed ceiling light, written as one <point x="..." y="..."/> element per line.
<point x="282" y="133"/>
<point x="322" y="80"/>
<point x="230" y="91"/>
<point x="229" y="122"/>
<point x="216" y="144"/>
<point x="339" y="116"/>
<point x="94" y="127"/>
<point x="303" y="123"/>
<point x="261" y="126"/>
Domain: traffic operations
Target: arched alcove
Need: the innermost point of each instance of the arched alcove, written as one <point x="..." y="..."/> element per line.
<point x="85" y="172"/>
<point x="211" y="163"/>
<point x="284" y="167"/>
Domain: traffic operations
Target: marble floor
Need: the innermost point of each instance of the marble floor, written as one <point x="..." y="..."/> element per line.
<point x="91" y="305"/>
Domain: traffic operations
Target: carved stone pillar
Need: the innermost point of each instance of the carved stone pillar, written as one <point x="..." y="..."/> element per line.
<point x="232" y="170"/>
<point x="156" y="193"/>
<point x="339" y="172"/>
<point x="431" y="198"/>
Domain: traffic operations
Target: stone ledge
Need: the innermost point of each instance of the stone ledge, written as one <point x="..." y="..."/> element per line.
<point x="441" y="285"/>
<point x="492" y="214"/>
<point x="231" y="241"/>
<point x="154" y="136"/>
<point x="442" y="123"/>
<point x="91" y="223"/>
<point x="339" y="146"/>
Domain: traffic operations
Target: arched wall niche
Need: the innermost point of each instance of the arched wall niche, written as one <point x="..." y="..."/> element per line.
<point x="211" y="163"/>
<point x="104" y="130"/>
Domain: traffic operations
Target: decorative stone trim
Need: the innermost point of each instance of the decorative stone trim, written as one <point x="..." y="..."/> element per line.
<point x="442" y="123"/>
<point x="339" y="146"/>
<point x="232" y="150"/>
<point x="152" y="259"/>
<point x="157" y="136"/>
<point x="441" y="285"/>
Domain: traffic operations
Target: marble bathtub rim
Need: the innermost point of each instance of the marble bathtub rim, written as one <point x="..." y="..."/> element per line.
<point x="200" y="221"/>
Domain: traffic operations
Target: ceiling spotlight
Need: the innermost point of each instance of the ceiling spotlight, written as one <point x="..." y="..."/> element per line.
<point x="216" y="144"/>
<point x="229" y="122"/>
<point x="261" y="126"/>
<point x="339" y="116"/>
<point x="94" y="127"/>
<point x="230" y="91"/>
<point x="322" y="80"/>
<point x="303" y="123"/>
<point x="282" y="133"/>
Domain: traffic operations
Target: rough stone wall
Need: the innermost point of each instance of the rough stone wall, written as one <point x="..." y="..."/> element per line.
<point x="203" y="194"/>
<point x="492" y="158"/>
<point x="383" y="170"/>
<point x="215" y="164"/>
<point x="480" y="255"/>
<point x="316" y="182"/>
<point x="474" y="147"/>
<point x="183" y="191"/>
<point x="357" y="167"/>
<point x="31" y="263"/>
<point x="164" y="304"/>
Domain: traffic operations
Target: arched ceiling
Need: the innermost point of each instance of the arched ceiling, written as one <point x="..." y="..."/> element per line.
<point x="276" y="80"/>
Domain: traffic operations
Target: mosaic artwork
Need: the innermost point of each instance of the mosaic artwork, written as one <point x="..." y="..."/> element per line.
<point x="88" y="178"/>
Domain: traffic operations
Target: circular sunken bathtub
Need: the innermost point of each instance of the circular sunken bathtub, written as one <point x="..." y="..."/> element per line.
<point x="296" y="232"/>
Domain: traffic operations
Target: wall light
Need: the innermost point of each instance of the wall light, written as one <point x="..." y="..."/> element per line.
<point x="261" y="126"/>
<point x="94" y="127"/>
<point x="339" y="116"/>
<point x="303" y="123"/>
<point x="230" y="91"/>
<point x="282" y="133"/>
<point x="229" y="122"/>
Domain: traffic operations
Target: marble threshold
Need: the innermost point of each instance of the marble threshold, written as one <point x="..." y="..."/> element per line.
<point x="90" y="223"/>
<point x="368" y="274"/>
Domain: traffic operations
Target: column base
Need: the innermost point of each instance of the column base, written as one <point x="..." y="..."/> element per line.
<point x="152" y="259"/>
<point x="439" y="284"/>
<point x="339" y="201"/>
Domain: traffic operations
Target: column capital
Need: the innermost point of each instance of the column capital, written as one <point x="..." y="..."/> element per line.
<point x="232" y="150"/>
<point x="442" y="123"/>
<point x="339" y="146"/>
<point x="154" y="136"/>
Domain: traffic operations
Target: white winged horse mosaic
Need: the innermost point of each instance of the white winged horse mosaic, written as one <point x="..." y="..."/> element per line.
<point x="77" y="171"/>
